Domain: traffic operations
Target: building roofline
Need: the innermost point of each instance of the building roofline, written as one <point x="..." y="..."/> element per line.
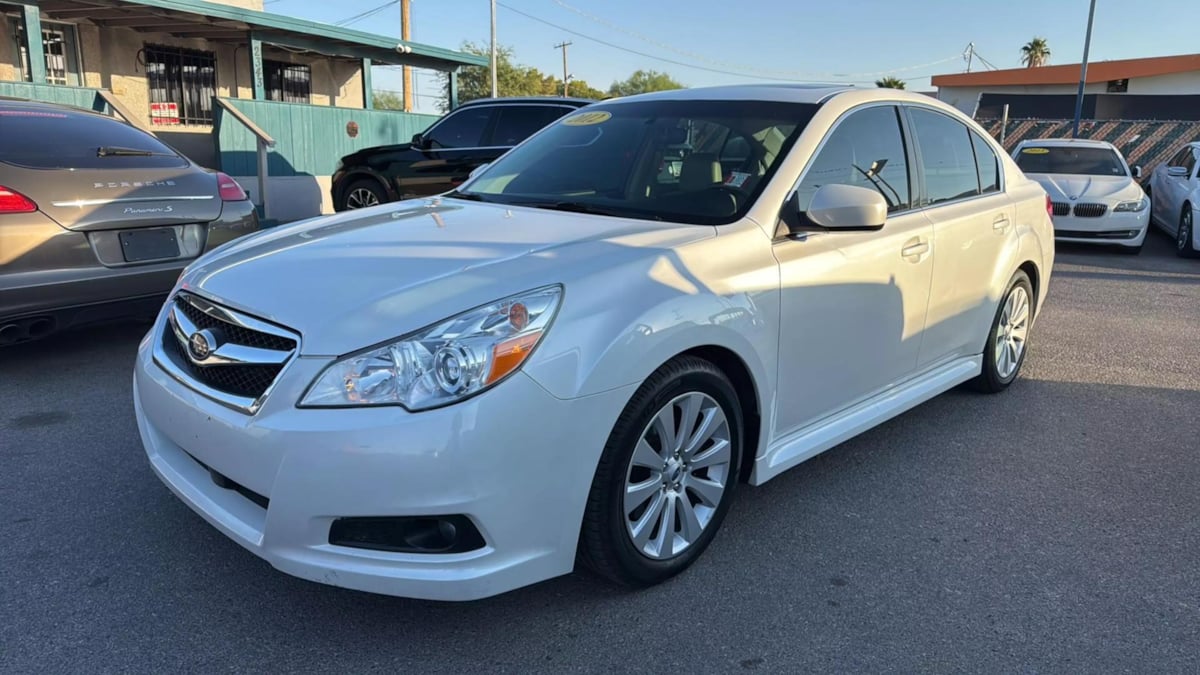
<point x="1098" y="71"/>
<point x="291" y="32"/>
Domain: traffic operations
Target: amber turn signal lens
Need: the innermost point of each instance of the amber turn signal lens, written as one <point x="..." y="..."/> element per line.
<point x="508" y="355"/>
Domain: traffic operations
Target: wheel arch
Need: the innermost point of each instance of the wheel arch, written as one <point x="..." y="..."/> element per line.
<point x="749" y="399"/>
<point x="354" y="175"/>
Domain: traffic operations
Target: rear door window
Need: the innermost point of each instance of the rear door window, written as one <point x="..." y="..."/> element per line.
<point x="462" y="129"/>
<point x="947" y="156"/>
<point x="49" y="138"/>
<point x="516" y="123"/>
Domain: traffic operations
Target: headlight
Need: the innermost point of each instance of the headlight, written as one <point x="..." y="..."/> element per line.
<point x="1137" y="205"/>
<point x="442" y="364"/>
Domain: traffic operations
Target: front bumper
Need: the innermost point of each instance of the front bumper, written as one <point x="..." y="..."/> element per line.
<point x="1127" y="228"/>
<point x="515" y="460"/>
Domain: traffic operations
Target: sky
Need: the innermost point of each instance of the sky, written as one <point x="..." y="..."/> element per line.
<point x="758" y="40"/>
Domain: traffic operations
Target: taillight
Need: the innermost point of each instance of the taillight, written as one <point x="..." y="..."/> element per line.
<point x="1049" y="207"/>
<point x="12" y="201"/>
<point x="229" y="189"/>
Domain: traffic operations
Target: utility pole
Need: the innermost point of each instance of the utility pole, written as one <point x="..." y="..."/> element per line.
<point x="566" y="76"/>
<point x="1087" y="43"/>
<point x="494" y="49"/>
<point x="406" y="35"/>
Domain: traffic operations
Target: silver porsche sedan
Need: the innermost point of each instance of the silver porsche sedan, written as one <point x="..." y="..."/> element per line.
<point x="98" y="218"/>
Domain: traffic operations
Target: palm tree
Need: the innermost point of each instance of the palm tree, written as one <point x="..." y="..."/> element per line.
<point x="1035" y="53"/>
<point x="890" y="82"/>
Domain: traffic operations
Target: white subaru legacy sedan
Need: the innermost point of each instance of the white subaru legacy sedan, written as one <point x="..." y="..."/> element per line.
<point x="582" y="351"/>
<point x="1094" y="193"/>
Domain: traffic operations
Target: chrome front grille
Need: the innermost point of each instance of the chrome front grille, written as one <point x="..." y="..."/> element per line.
<point x="1090" y="210"/>
<point x="224" y="354"/>
<point x="1061" y="208"/>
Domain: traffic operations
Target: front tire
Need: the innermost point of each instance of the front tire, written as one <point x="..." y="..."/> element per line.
<point x="1183" y="236"/>
<point x="363" y="193"/>
<point x="1005" y="350"/>
<point x="666" y="478"/>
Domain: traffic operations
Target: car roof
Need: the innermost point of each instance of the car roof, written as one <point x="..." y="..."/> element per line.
<point x="579" y="102"/>
<point x="9" y="103"/>
<point x="783" y="93"/>
<point x="1067" y="142"/>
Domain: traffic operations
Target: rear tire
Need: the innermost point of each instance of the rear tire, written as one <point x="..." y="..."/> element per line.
<point x="1183" y="236"/>
<point x="658" y="497"/>
<point x="1004" y="353"/>
<point x="363" y="193"/>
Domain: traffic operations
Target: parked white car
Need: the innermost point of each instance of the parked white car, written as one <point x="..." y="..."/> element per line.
<point x="578" y="355"/>
<point x="1175" y="197"/>
<point x="1094" y="192"/>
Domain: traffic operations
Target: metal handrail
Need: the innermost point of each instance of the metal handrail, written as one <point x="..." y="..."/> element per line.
<point x="264" y="142"/>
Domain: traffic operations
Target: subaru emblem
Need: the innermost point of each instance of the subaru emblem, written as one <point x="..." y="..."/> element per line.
<point x="201" y="345"/>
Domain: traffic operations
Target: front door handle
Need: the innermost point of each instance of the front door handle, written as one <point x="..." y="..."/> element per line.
<point x="915" y="248"/>
<point x="1000" y="224"/>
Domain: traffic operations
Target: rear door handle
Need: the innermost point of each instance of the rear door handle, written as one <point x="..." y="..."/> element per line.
<point x="1000" y="224"/>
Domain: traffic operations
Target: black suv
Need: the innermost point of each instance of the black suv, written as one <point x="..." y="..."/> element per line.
<point x="445" y="154"/>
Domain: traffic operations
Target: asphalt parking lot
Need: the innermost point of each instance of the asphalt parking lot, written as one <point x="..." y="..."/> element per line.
<point x="1053" y="528"/>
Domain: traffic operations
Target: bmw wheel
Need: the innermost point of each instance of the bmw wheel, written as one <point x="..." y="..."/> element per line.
<point x="1183" y="236"/>
<point x="1005" y="350"/>
<point x="666" y="477"/>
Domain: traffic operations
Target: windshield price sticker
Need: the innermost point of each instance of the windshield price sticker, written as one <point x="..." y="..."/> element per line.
<point x="587" y="118"/>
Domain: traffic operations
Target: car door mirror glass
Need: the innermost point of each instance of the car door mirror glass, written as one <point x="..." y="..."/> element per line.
<point x="847" y="207"/>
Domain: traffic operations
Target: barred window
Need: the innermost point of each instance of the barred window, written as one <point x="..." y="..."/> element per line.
<point x="288" y="82"/>
<point x="182" y="84"/>
<point x="60" y="49"/>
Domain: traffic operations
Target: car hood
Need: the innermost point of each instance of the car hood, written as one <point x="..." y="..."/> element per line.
<point x="362" y="277"/>
<point x="1066" y="188"/>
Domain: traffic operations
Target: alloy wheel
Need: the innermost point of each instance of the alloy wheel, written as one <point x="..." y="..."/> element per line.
<point x="1011" y="333"/>
<point x="1183" y="238"/>
<point x="361" y="198"/>
<point x="677" y="476"/>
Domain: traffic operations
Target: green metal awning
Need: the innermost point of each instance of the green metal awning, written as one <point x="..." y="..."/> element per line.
<point x="223" y="23"/>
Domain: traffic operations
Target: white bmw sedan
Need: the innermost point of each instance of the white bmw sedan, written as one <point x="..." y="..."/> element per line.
<point x="580" y="353"/>
<point x="1095" y="194"/>
<point x="1174" y="193"/>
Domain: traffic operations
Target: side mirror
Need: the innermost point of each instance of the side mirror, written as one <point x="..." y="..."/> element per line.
<point x="1137" y="171"/>
<point x="418" y="141"/>
<point x="847" y="207"/>
<point x="1177" y="171"/>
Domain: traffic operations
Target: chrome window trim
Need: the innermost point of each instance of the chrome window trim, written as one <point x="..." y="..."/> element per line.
<point x="246" y="354"/>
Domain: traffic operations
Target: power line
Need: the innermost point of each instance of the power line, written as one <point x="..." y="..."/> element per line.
<point x="369" y="13"/>
<point x="748" y="69"/>
<point x="710" y="69"/>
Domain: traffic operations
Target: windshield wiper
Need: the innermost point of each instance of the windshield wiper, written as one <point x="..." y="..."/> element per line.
<point x="581" y="207"/>
<point x="114" y="151"/>
<point x="455" y="194"/>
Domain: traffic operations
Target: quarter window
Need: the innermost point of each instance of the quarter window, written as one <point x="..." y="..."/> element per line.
<point x="947" y="157"/>
<point x="989" y="165"/>
<point x="463" y="129"/>
<point x="866" y="150"/>
<point x="182" y="85"/>
<point x="516" y="123"/>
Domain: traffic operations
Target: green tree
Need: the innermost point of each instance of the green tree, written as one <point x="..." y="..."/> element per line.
<point x="383" y="99"/>
<point x="511" y="79"/>
<point x="1035" y="53"/>
<point x="890" y="82"/>
<point x="644" y="81"/>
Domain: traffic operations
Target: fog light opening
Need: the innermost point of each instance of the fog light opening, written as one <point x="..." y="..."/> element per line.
<point x="423" y="534"/>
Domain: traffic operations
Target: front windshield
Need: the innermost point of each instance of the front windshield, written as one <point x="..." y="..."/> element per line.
<point x="700" y="162"/>
<point x="1070" y="160"/>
